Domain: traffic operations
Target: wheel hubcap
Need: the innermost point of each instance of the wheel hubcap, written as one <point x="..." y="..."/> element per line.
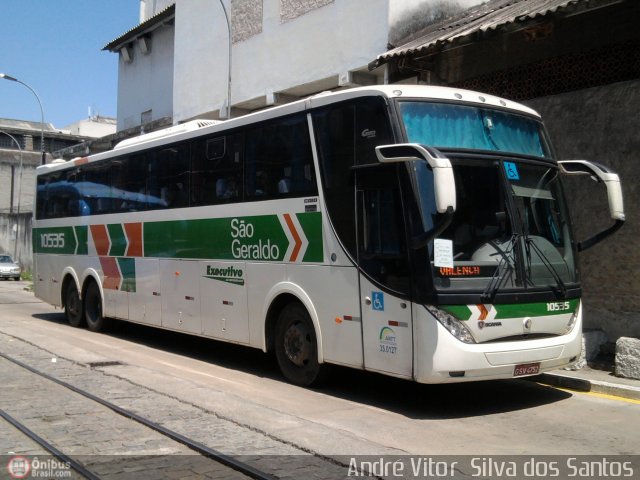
<point x="297" y="344"/>
<point x="73" y="304"/>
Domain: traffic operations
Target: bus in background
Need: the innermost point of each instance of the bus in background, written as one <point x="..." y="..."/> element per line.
<point x="419" y="232"/>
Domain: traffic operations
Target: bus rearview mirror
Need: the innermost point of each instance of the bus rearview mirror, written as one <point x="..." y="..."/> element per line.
<point x="603" y="174"/>
<point x="444" y="185"/>
<point x="611" y="181"/>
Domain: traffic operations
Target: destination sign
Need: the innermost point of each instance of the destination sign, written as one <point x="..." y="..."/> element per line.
<point x="459" y="271"/>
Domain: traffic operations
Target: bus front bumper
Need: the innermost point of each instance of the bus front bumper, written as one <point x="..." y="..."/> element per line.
<point x="441" y="358"/>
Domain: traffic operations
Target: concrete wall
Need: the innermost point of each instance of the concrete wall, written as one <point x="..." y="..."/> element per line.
<point x="316" y="40"/>
<point x="599" y="124"/>
<point x="9" y="226"/>
<point x="146" y="83"/>
<point x="93" y="127"/>
<point x="9" y="158"/>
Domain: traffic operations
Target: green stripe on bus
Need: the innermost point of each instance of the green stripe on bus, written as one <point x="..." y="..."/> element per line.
<point x="311" y="223"/>
<point x="118" y="240"/>
<point x="128" y="269"/>
<point x="54" y="240"/>
<point x="535" y="309"/>
<point x="259" y="238"/>
<point x="461" y="312"/>
<point x="82" y="235"/>
<point x="517" y="310"/>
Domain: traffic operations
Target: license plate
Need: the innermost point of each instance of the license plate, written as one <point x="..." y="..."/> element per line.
<point x="526" y="369"/>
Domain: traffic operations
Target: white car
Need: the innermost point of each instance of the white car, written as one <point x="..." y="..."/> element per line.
<point x="9" y="268"/>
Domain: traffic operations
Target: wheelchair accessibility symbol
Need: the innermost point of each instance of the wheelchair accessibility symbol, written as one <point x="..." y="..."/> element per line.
<point x="512" y="171"/>
<point x="377" y="301"/>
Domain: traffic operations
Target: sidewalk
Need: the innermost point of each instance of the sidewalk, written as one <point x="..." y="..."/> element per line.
<point x="591" y="380"/>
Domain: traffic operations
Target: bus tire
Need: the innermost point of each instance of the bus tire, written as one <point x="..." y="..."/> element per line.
<point x="96" y="322"/>
<point x="296" y="346"/>
<point x="73" y="308"/>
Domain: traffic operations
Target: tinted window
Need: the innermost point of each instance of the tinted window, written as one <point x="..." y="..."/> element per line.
<point x="382" y="251"/>
<point x="271" y="160"/>
<point x="216" y="170"/>
<point x="95" y="188"/>
<point x="129" y="185"/>
<point x="169" y="176"/>
<point x="278" y="160"/>
<point x="347" y="135"/>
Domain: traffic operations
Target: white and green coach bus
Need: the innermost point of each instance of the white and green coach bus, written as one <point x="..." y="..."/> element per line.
<point x="414" y="231"/>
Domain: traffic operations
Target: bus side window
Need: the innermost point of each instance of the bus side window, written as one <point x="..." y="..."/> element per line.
<point x="279" y="161"/>
<point x="335" y="130"/>
<point x="382" y="250"/>
<point x="168" y="178"/>
<point x="372" y="129"/>
<point x="216" y="170"/>
<point x="97" y="188"/>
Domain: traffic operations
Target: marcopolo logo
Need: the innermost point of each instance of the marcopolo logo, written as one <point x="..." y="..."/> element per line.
<point x="228" y="274"/>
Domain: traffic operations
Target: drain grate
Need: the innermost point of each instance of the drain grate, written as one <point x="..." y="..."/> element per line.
<point x="113" y="363"/>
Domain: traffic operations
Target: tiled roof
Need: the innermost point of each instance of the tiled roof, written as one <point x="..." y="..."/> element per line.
<point x="481" y="18"/>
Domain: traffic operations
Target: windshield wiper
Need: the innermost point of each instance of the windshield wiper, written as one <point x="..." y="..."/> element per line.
<point x="545" y="261"/>
<point x="497" y="280"/>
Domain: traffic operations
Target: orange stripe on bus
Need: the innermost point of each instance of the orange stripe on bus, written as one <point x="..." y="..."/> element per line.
<point x="134" y="235"/>
<point x="296" y="237"/>
<point x="100" y="239"/>
<point x="112" y="278"/>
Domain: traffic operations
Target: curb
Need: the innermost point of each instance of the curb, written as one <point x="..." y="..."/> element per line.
<point x="584" y="385"/>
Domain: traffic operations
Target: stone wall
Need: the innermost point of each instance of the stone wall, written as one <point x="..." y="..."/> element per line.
<point x="600" y="124"/>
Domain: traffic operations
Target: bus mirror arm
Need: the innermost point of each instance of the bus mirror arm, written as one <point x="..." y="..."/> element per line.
<point x="611" y="181"/>
<point x="443" y="180"/>
<point x="423" y="239"/>
<point x="598" y="237"/>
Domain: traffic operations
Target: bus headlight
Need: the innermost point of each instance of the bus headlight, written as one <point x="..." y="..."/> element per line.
<point x="455" y="326"/>
<point x="572" y="321"/>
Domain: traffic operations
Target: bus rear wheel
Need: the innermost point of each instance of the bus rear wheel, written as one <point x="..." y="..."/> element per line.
<point x="73" y="310"/>
<point x="296" y="346"/>
<point x="96" y="322"/>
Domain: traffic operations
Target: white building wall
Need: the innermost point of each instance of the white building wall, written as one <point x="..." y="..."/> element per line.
<point x="322" y="44"/>
<point x="92" y="128"/>
<point x="146" y="83"/>
<point x="148" y="8"/>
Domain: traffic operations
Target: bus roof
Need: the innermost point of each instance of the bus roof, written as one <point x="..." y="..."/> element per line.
<point x="200" y="127"/>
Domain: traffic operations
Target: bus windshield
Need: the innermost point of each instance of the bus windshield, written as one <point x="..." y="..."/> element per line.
<point x="506" y="233"/>
<point x="468" y="127"/>
<point x="511" y="225"/>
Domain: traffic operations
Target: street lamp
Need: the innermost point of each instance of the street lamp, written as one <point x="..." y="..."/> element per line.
<point x="13" y="79"/>
<point x="226" y="16"/>
<point x="15" y="248"/>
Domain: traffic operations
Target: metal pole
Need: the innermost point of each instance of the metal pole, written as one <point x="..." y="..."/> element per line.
<point x="226" y="16"/>
<point x="13" y="79"/>
<point x="15" y="248"/>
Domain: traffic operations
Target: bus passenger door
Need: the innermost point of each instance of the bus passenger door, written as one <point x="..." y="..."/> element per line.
<point x="384" y="272"/>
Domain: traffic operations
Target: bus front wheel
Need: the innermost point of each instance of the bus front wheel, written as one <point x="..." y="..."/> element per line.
<point x="96" y="322"/>
<point x="296" y="346"/>
<point x="73" y="306"/>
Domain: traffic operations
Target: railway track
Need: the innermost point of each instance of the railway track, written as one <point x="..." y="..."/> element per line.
<point x="241" y="469"/>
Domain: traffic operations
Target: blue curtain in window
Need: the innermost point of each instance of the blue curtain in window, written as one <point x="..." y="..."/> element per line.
<point x="456" y="126"/>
